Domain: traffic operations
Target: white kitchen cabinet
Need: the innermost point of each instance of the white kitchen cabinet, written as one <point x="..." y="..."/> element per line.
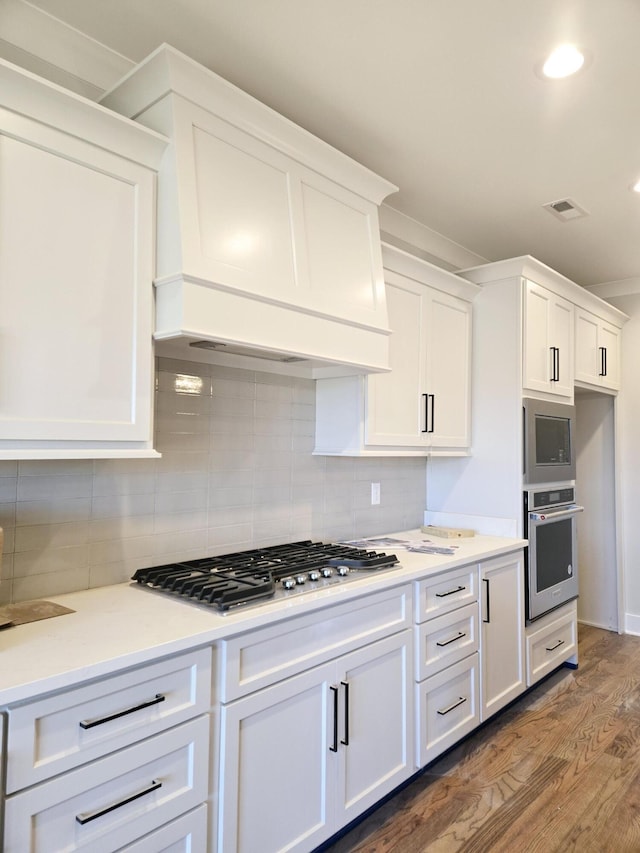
<point x="423" y="406"/>
<point x="109" y="803"/>
<point x="302" y="758"/>
<point x="105" y="764"/>
<point x="597" y="351"/>
<point x="446" y="661"/>
<point x="502" y="641"/>
<point x="268" y="238"/>
<point x="77" y="204"/>
<point x="291" y="693"/>
<point x="548" y="342"/>
<point x="551" y="641"/>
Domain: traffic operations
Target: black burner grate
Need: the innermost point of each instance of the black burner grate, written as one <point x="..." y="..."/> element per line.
<point x="231" y="579"/>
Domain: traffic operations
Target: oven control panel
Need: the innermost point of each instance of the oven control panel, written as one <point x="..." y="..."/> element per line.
<point x="549" y="497"/>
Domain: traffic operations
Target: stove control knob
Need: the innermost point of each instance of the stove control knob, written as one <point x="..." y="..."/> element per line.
<point x="300" y="579"/>
<point x="288" y="583"/>
<point x="343" y="571"/>
<point x="327" y="572"/>
<point x="314" y="575"/>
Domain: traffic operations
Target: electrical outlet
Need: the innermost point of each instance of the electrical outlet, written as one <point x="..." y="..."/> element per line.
<point x="375" y="494"/>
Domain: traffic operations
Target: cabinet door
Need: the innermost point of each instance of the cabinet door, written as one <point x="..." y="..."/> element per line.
<point x="502" y="638"/>
<point x="547" y="342"/>
<point x="597" y="351"/>
<point x="375" y="724"/>
<point x="395" y="409"/>
<point x="448" y="386"/>
<point x="275" y="793"/>
<point x="75" y="293"/>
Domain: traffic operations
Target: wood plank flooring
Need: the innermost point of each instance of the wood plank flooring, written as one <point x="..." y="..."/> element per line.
<point x="557" y="771"/>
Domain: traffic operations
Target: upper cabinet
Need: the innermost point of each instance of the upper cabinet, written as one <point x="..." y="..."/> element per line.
<point x="423" y="405"/>
<point x="597" y="351"/>
<point x="548" y="345"/>
<point x="268" y="238"/>
<point x="77" y="205"/>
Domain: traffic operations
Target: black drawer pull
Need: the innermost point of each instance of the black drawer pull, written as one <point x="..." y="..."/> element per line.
<point x="452" y="707"/>
<point x="557" y="646"/>
<point x="459" y="636"/>
<point x="87" y="817"/>
<point x="450" y="592"/>
<point x="98" y="721"/>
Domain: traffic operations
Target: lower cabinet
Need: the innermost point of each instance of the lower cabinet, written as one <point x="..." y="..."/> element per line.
<point x="109" y="803"/>
<point x="502" y="640"/>
<point x="551" y="641"/>
<point x="302" y="758"/>
<point x="119" y="762"/>
<point x="446" y="661"/>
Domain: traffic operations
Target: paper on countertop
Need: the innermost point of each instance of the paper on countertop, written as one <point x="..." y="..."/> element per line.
<point x="422" y="546"/>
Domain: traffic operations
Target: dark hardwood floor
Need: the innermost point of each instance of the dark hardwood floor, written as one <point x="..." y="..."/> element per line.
<point x="557" y="771"/>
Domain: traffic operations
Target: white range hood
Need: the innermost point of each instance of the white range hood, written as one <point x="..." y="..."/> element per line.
<point x="268" y="238"/>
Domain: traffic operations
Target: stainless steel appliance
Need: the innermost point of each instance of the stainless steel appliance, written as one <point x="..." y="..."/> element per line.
<point x="548" y="442"/>
<point x="551" y="558"/>
<point x="264" y="574"/>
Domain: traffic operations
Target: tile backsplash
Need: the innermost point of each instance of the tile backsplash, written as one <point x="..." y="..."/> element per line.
<point x="236" y="471"/>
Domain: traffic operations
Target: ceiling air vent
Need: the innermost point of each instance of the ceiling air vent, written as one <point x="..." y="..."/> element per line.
<point x="565" y="209"/>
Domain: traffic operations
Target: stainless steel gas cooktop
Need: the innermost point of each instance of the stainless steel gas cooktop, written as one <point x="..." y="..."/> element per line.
<point x="264" y="574"/>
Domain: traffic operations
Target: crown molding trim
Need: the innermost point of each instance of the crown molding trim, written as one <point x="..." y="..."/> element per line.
<point x="48" y="47"/>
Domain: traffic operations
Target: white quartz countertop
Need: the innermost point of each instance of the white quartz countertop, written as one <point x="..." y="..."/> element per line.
<point x="115" y="627"/>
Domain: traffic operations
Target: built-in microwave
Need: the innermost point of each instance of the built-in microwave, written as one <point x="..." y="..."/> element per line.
<point x="549" y="453"/>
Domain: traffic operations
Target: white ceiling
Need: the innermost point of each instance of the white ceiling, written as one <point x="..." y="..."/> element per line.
<point x="441" y="98"/>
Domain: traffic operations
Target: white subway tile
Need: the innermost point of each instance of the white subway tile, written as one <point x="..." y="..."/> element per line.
<point x="117" y="528"/>
<point x="118" y="506"/>
<point x="8" y="468"/>
<point x="46" y="585"/>
<point x="53" y="560"/>
<point x="45" y="536"/>
<point x="8" y="489"/>
<point x="176" y="522"/>
<point x="115" y="550"/>
<point x="241" y="496"/>
<point x="180" y="501"/>
<point x="45" y="488"/>
<point x="54" y="511"/>
<point x="231" y="537"/>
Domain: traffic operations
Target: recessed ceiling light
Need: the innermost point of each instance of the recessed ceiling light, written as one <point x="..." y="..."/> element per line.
<point x="636" y="187"/>
<point x="563" y="61"/>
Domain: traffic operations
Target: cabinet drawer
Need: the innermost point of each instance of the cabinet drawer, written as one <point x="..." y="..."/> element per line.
<point x="62" y="731"/>
<point x="551" y="644"/>
<point x="263" y="657"/>
<point x="186" y="834"/>
<point x="114" y="800"/>
<point x="447" y="708"/>
<point x="445" y="640"/>
<point x="444" y="593"/>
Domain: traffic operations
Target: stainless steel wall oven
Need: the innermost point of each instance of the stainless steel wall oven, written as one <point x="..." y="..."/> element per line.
<point x="551" y="558"/>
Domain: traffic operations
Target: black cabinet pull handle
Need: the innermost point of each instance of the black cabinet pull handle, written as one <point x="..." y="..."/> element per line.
<point x="345" y="684"/>
<point x="452" y="707"/>
<point x="603" y="361"/>
<point x="334" y="748"/>
<point x="425" y="397"/>
<point x="450" y="592"/>
<point x="87" y="817"/>
<point x="458" y="636"/>
<point x="557" y="646"/>
<point x="99" y="721"/>
<point x="488" y="600"/>
<point x="553" y="364"/>
<point x="433" y="412"/>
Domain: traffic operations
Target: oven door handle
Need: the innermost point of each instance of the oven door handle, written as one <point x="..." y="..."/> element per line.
<point x="552" y="515"/>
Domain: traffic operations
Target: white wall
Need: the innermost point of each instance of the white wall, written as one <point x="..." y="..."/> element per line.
<point x="628" y="451"/>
